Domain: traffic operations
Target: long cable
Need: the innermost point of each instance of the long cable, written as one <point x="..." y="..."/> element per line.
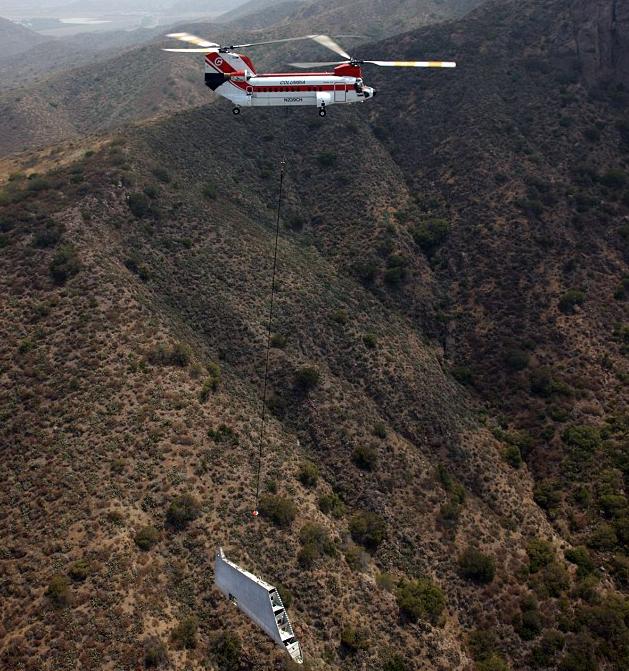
<point x="269" y="335"/>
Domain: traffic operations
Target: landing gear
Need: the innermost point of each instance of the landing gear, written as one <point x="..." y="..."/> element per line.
<point x="322" y="111"/>
<point x="236" y="111"/>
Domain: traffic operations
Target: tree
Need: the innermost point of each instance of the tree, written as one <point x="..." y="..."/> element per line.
<point x="281" y="511"/>
<point x="307" y="378"/>
<point x="183" y="510"/>
<point x="139" y="204"/>
<point x="184" y="635"/>
<point x="368" y="529"/>
<point x="476" y="566"/>
<point x="308" y="474"/>
<point x="146" y="538"/>
<point x="540" y="554"/>
<point x="65" y="264"/>
<point x="227" y="650"/>
<point x="421" y="599"/>
<point x="59" y="591"/>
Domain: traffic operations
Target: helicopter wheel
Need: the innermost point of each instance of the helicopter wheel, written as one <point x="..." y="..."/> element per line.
<point x="236" y="111"/>
<point x="322" y="112"/>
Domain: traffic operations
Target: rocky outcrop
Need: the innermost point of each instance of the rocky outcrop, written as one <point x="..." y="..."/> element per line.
<point x="602" y="39"/>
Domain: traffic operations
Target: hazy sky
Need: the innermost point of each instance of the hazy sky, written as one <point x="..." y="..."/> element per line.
<point x="93" y="7"/>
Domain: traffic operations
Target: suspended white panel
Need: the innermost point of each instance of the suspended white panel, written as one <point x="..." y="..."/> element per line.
<point x="259" y="601"/>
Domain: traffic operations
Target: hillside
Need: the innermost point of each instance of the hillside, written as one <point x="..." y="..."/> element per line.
<point x="448" y="433"/>
<point x="15" y="39"/>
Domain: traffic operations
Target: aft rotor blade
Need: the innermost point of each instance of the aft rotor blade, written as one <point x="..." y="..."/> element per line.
<point x="192" y="39"/>
<point x="316" y="65"/>
<point x="207" y="50"/>
<point x="328" y="42"/>
<point x="413" y="64"/>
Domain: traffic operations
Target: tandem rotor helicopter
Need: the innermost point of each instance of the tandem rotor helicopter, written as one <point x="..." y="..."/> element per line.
<point x="233" y="76"/>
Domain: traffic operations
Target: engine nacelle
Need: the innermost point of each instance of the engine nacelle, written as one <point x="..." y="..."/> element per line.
<point x="241" y="75"/>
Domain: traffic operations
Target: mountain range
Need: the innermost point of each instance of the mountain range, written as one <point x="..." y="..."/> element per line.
<point x="444" y="467"/>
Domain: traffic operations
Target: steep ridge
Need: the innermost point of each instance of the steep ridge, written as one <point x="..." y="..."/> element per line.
<point x="123" y="439"/>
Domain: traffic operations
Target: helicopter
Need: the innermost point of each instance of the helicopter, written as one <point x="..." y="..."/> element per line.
<point x="233" y="76"/>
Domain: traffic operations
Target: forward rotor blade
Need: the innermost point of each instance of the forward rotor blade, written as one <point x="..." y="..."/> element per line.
<point x="328" y="42"/>
<point x="316" y="65"/>
<point x="192" y="39"/>
<point x="413" y="64"/>
<point x="207" y="50"/>
<point x="286" y="39"/>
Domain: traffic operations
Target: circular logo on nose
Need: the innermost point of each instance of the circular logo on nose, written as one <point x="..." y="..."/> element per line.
<point x="219" y="61"/>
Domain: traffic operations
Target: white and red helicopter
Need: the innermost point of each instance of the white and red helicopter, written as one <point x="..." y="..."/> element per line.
<point x="233" y="75"/>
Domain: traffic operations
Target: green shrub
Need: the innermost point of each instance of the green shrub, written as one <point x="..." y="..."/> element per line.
<point x="603" y="538"/>
<point x="155" y="653"/>
<point x="529" y="623"/>
<point x="183" y="510"/>
<point x="449" y="514"/>
<point x="307" y="556"/>
<point x="483" y="644"/>
<point x="357" y="559"/>
<point x="380" y="430"/>
<point x="65" y="264"/>
<point x="278" y="341"/>
<point x="146" y="538"/>
<point x="80" y="570"/>
<point x="421" y="599"/>
<point x="370" y="340"/>
<point x="463" y="375"/>
<point x="585" y="438"/>
<point x="614" y="179"/>
<point x="544" y="653"/>
<point x="49" y="235"/>
<point x="429" y="235"/>
<point x="139" y="204"/>
<point x="517" y="359"/>
<point x="547" y="495"/>
<point x="281" y="511"/>
<point x="552" y="580"/>
<point x="570" y="300"/>
<point x="540" y="554"/>
<point x="179" y="354"/>
<point x="396" y="270"/>
<point x="368" y="529"/>
<point x="394" y="662"/>
<point x="161" y="174"/>
<point x="211" y="382"/>
<point x="307" y="378"/>
<point x="58" y="591"/>
<point x="476" y="566"/>
<point x="494" y="662"/>
<point x="331" y="504"/>
<point x="316" y="543"/>
<point x="365" y="457"/>
<point x="353" y="639"/>
<point x="513" y="456"/>
<point x="308" y="474"/>
<point x="327" y="159"/>
<point x="209" y="191"/>
<point x="184" y="635"/>
<point x="226" y="650"/>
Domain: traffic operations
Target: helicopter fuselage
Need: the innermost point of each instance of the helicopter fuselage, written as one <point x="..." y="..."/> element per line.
<point x="233" y="76"/>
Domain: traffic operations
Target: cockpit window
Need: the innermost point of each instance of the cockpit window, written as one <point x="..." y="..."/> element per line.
<point x="359" y="86"/>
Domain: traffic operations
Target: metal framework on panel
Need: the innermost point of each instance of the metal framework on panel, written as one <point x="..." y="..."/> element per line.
<point x="259" y="601"/>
